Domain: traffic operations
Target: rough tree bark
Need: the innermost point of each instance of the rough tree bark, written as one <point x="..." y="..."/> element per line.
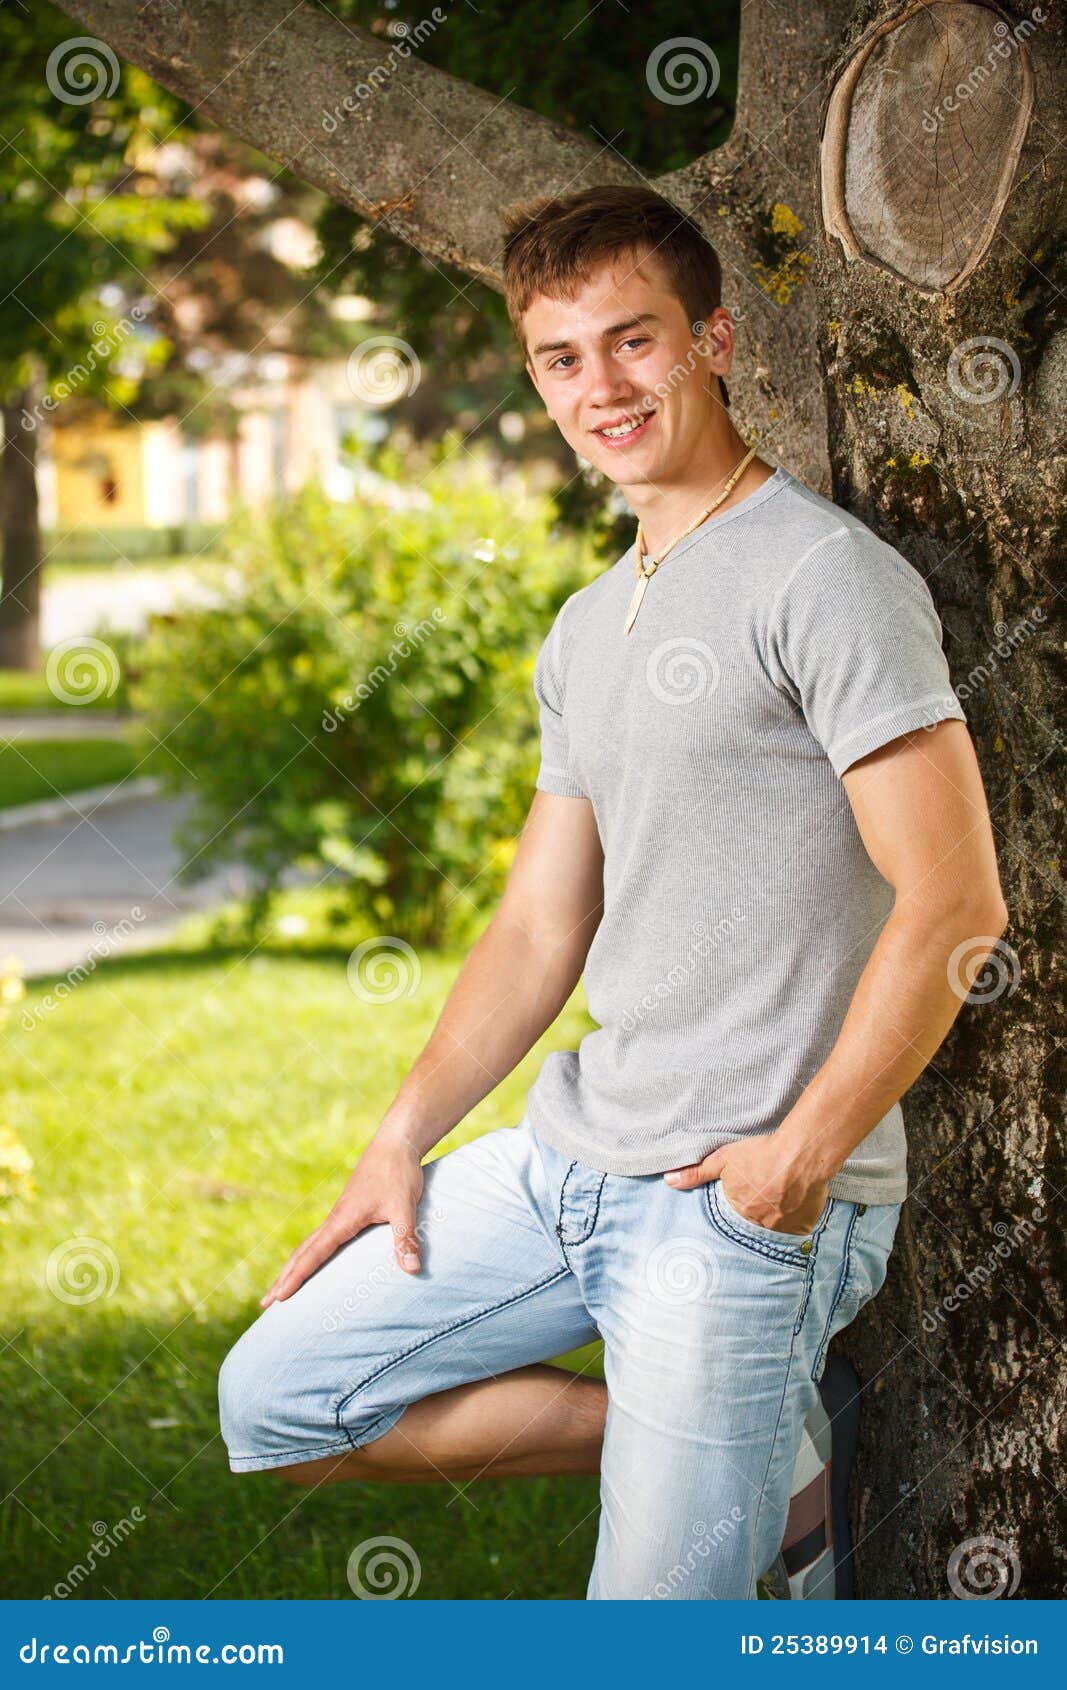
<point x="889" y="210"/>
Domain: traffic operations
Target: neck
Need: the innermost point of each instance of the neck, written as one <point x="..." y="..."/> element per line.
<point x="666" y="508"/>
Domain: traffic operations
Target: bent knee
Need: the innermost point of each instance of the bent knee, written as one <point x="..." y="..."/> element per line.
<point x="278" y="1412"/>
<point x="242" y="1399"/>
<point x="264" y="1411"/>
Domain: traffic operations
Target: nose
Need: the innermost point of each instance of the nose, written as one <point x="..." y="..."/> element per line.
<point x="608" y="386"/>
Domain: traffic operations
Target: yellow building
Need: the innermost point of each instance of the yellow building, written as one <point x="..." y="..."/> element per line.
<point x="104" y="482"/>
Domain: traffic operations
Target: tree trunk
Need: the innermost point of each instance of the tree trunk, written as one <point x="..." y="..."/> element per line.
<point x="945" y="414"/>
<point x="20" y="591"/>
<point x="889" y="211"/>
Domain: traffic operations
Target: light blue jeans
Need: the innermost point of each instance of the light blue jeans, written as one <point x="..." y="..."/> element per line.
<point x="715" y="1332"/>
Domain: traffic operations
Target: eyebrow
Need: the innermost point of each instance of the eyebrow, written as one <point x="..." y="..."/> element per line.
<point x="605" y="334"/>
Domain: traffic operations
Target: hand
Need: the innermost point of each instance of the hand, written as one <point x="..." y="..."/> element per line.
<point x="762" y="1181"/>
<point x="385" y="1185"/>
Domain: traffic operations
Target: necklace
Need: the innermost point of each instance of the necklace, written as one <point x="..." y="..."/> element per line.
<point x="645" y="571"/>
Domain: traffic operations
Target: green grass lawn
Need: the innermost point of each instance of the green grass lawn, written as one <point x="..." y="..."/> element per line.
<point x="32" y="769"/>
<point x="20" y="690"/>
<point x="195" y="1114"/>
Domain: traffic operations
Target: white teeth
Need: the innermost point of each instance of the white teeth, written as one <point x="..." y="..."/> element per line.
<point x="623" y="428"/>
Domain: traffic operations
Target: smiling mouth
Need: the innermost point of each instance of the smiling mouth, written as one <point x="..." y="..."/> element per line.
<point x="621" y="433"/>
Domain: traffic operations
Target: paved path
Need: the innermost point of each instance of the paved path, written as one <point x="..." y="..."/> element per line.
<point x="116" y="597"/>
<point x="65" y="886"/>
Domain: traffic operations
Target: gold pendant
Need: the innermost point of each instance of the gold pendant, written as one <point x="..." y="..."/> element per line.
<point x="635" y="603"/>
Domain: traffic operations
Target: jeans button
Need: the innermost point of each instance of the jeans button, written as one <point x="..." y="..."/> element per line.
<point x="805" y="1248"/>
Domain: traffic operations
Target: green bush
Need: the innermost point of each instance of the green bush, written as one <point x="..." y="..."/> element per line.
<point x="361" y="701"/>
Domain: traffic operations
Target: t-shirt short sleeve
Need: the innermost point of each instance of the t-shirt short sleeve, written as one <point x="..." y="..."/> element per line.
<point x="555" y="773"/>
<point x="854" y="637"/>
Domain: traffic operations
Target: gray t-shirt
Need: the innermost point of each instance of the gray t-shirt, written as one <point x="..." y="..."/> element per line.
<point x="776" y="644"/>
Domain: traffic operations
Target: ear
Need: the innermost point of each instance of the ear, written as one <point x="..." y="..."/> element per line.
<point x="721" y="338"/>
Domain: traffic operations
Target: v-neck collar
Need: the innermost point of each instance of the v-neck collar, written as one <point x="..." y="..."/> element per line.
<point x="766" y="490"/>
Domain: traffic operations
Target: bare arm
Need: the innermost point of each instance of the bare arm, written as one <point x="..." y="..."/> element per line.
<point x="921" y="810"/>
<point x="516" y="979"/>
<point x="514" y="982"/>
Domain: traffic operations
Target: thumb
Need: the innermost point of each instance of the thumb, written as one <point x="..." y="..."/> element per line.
<point x="698" y="1173"/>
<point x="713" y="1165"/>
<point x="405" y="1241"/>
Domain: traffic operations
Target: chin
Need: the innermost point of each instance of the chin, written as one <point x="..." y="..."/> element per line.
<point x="620" y="466"/>
<point x="632" y="475"/>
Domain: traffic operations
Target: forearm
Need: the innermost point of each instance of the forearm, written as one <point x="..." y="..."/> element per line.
<point x="905" y="1001"/>
<point x="510" y="989"/>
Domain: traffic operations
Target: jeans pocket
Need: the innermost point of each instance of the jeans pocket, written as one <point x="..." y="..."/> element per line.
<point x="793" y="1248"/>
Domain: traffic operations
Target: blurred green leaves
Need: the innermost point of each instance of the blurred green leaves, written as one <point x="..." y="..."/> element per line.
<point x="361" y="700"/>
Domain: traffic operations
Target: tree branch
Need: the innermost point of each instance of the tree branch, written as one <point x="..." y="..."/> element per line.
<point x="432" y="157"/>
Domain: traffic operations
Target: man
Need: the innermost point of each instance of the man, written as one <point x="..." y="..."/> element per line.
<point x="760" y="831"/>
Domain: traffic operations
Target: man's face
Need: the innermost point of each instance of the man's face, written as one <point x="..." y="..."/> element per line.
<point x="624" y="349"/>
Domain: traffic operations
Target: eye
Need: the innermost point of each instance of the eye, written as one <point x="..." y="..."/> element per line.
<point x="637" y="340"/>
<point x="558" y="363"/>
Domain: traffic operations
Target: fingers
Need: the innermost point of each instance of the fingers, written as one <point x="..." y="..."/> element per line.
<point x="697" y="1173"/>
<point x="406" y="1241"/>
<point x="335" y="1231"/>
<point x="315" y="1250"/>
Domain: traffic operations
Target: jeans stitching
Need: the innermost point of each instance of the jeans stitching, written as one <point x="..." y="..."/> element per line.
<point x="563" y="1242"/>
<point x="810" y="1277"/>
<point x="842" y="1280"/>
<point x="286" y="1455"/>
<point x="432" y="1337"/>
<point x="762" y="1495"/>
<point x="789" y="1257"/>
<point x="367" y="1433"/>
<point x="562" y="1189"/>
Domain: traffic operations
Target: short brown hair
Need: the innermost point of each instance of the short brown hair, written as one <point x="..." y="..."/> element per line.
<point x="551" y="243"/>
